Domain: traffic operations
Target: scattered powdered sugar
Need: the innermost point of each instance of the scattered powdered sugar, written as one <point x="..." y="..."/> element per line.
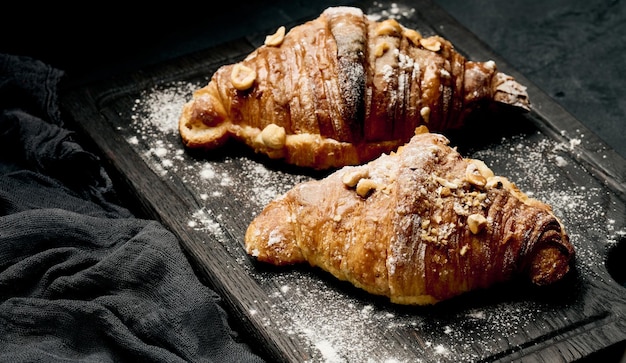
<point x="204" y="220"/>
<point x="338" y="325"/>
<point x="154" y="134"/>
<point x="544" y="169"/>
<point x="381" y="11"/>
<point x="266" y="184"/>
<point x="342" y="328"/>
<point x="161" y="108"/>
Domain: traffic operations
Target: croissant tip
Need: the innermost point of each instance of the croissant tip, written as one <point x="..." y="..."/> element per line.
<point x="511" y="92"/>
<point x="272" y="243"/>
<point x="550" y="264"/>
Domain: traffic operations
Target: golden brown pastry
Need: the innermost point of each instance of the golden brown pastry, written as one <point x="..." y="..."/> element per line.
<point x="341" y="90"/>
<point x="419" y="225"/>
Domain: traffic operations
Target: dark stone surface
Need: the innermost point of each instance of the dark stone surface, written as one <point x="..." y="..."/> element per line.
<point x="573" y="50"/>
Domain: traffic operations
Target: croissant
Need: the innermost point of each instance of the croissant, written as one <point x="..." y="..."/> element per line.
<point x="419" y="226"/>
<point x="341" y="90"/>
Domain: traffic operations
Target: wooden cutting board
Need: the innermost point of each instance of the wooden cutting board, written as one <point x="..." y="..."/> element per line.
<point x="302" y="314"/>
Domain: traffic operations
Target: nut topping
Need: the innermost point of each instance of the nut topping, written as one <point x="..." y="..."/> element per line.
<point x="365" y="186"/>
<point x="483" y="169"/>
<point x="431" y="43"/>
<point x="275" y="39"/>
<point x="473" y="176"/>
<point x="351" y="178"/>
<point x="495" y="182"/>
<point x="381" y="48"/>
<point x="445" y="192"/>
<point x="425" y="113"/>
<point x="476" y="223"/>
<point x="242" y="77"/>
<point x="412" y="35"/>
<point x="421" y="129"/>
<point x="389" y="27"/>
<point x="490" y="65"/>
<point x="274" y="136"/>
<point x="446" y="183"/>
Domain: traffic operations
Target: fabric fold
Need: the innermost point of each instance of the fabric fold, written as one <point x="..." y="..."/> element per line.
<point x="82" y="278"/>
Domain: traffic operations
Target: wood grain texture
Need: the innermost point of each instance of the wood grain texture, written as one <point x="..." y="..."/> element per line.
<point x="301" y="314"/>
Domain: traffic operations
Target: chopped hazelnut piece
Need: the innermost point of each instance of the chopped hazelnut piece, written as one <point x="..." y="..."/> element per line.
<point x="444" y="192"/>
<point x="389" y="27"/>
<point x="412" y="35"/>
<point x="483" y="169"/>
<point x="473" y="176"/>
<point x="431" y="43"/>
<point x="381" y="48"/>
<point x="274" y="136"/>
<point x="495" y="182"/>
<point x="476" y="223"/>
<point x="421" y="129"/>
<point x="275" y="39"/>
<point x="490" y="65"/>
<point x="351" y="178"/>
<point x="446" y="183"/>
<point x="425" y="113"/>
<point x="365" y="186"/>
<point x="242" y="77"/>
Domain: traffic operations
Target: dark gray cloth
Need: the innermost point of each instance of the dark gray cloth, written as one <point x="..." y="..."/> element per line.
<point x="81" y="278"/>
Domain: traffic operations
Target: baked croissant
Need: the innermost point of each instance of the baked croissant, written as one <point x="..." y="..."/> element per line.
<point x="341" y="90"/>
<point x="419" y="226"/>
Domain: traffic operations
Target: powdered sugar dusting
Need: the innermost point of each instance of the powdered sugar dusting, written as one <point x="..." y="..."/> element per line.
<point x="344" y="328"/>
<point x="339" y="326"/>
<point x="155" y="135"/>
<point x="337" y="322"/>
<point x="539" y="166"/>
<point x="162" y="108"/>
<point x="397" y="11"/>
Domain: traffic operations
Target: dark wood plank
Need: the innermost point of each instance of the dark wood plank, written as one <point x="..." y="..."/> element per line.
<point x="301" y="314"/>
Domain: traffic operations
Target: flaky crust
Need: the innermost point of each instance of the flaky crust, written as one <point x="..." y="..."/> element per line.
<point x="341" y="90"/>
<point x="419" y="226"/>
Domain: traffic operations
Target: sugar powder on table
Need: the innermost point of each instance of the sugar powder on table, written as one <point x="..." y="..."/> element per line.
<point x="341" y="328"/>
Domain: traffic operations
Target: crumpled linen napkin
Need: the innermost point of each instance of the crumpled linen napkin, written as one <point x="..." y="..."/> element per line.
<point x="81" y="278"/>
